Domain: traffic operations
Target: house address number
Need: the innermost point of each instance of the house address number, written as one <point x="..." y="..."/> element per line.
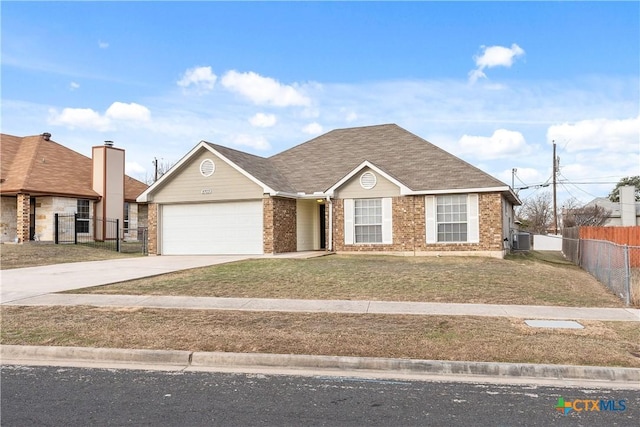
<point x="206" y="191"/>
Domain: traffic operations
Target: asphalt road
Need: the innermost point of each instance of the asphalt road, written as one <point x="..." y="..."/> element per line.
<point x="54" y="396"/>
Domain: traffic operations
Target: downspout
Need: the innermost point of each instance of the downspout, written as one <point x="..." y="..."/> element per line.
<point x="330" y="240"/>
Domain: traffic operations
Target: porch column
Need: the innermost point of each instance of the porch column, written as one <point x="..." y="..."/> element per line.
<point x="23" y="216"/>
<point x="152" y="227"/>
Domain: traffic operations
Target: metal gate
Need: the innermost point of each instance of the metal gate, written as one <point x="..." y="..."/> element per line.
<point x="97" y="232"/>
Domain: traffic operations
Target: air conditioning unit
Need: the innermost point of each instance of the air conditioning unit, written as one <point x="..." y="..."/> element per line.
<point x="522" y="241"/>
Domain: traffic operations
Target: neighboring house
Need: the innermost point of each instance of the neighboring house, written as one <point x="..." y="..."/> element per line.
<point x="369" y="189"/>
<point x="40" y="178"/>
<point x="626" y="212"/>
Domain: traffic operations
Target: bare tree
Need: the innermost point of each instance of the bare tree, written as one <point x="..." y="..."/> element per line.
<point x="536" y="214"/>
<point x="160" y="168"/>
<point x="588" y="215"/>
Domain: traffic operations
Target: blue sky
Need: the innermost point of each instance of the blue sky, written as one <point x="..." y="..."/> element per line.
<point x="493" y="83"/>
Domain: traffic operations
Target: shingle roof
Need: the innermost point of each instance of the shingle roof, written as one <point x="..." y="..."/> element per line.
<point x="33" y="165"/>
<point x="259" y="167"/>
<point x="318" y="164"/>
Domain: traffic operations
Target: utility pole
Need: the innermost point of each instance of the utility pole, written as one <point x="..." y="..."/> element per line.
<point x="155" y="162"/>
<point x="555" y="205"/>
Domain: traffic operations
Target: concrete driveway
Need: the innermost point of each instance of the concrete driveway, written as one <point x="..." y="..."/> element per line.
<point x="20" y="283"/>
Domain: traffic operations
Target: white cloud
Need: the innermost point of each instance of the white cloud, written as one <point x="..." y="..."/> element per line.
<point x="252" y="141"/>
<point x="312" y="129"/>
<point x="132" y="111"/>
<point x="501" y="144"/>
<point x="103" y="45"/>
<point x="351" y="117"/>
<point x="83" y="118"/>
<point x="74" y="86"/>
<point x="133" y="168"/>
<point x="263" y="120"/>
<point x="202" y="78"/>
<point x="494" y="56"/>
<point x="87" y="118"/>
<point x="263" y="90"/>
<point x="597" y="134"/>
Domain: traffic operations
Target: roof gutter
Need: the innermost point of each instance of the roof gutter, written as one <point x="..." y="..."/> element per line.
<point x="506" y="189"/>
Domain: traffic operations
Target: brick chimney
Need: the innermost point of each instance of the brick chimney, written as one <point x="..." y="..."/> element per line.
<point x="108" y="182"/>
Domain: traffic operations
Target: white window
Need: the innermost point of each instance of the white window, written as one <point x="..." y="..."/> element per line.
<point x="368" y="220"/>
<point x="452" y="218"/>
<point x="83" y="216"/>
<point x="125" y="221"/>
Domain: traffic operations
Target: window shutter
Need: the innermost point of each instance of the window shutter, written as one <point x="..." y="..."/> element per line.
<point x="348" y="221"/>
<point x="473" y="220"/>
<point x="430" y="218"/>
<point x="387" y="221"/>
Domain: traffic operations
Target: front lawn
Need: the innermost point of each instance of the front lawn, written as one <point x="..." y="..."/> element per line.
<point x="536" y="279"/>
<point x="37" y="254"/>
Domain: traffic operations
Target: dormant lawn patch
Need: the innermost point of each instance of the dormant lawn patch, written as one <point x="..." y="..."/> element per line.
<point x="536" y="279"/>
<point x="37" y="254"/>
<point x="416" y="337"/>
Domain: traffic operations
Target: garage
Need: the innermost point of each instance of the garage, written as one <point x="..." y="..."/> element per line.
<point x="212" y="228"/>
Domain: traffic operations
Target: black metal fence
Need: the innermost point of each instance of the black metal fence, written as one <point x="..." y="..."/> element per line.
<point x="97" y="232"/>
<point x="136" y="242"/>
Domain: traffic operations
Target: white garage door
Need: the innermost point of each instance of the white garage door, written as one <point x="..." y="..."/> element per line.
<point x="212" y="228"/>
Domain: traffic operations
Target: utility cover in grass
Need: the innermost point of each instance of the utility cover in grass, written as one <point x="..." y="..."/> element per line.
<point x="566" y="324"/>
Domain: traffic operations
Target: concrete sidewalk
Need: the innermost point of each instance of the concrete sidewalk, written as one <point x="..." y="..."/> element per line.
<point x="333" y="306"/>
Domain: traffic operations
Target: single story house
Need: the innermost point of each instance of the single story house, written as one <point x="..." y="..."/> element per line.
<point x="625" y="213"/>
<point x="40" y="178"/>
<point x="367" y="189"/>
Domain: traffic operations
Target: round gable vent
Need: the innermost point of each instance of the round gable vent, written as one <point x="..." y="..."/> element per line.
<point x="367" y="180"/>
<point x="207" y="167"/>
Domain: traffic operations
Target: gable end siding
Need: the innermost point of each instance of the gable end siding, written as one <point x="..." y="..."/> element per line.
<point x="188" y="185"/>
<point x="353" y="190"/>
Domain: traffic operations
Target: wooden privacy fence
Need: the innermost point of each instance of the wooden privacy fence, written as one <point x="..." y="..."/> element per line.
<point x="629" y="236"/>
<point x="620" y="235"/>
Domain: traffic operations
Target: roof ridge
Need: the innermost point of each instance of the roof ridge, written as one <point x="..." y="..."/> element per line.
<point x="233" y="149"/>
<point x="331" y="132"/>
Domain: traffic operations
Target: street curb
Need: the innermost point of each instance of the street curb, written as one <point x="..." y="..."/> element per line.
<point x="19" y="354"/>
<point x="115" y="355"/>
<point x="417" y="366"/>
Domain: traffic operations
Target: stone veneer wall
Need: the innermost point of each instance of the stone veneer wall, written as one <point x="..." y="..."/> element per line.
<point x="8" y="219"/>
<point x="47" y="207"/>
<point x="409" y="222"/>
<point x="132" y="232"/>
<point x="279" y="225"/>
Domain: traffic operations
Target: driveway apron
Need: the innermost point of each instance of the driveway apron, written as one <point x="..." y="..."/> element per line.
<point x="20" y="283"/>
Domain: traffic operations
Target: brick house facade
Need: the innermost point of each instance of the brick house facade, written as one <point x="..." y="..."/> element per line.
<point x="365" y="196"/>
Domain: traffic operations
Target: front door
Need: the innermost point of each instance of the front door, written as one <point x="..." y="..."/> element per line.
<point x="32" y="218"/>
